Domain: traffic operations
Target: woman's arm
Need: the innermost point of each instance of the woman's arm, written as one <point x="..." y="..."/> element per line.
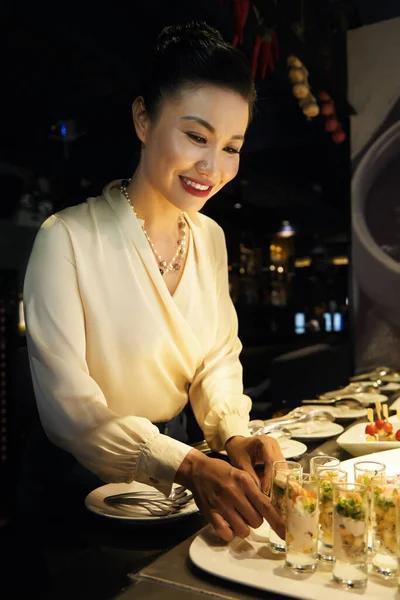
<point x="71" y="405"/>
<point x="216" y="393"/>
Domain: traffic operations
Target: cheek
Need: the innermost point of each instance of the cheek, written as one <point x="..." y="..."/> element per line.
<point x="231" y="169"/>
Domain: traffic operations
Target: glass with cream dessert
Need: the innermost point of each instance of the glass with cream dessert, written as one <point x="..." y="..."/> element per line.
<point x="280" y="471"/>
<point x="364" y="471"/>
<point x="350" y="534"/>
<point x="324" y="461"/>
<point x="327" y="479"/>
<point x="384" y="494"/>
<point x="302" y="522"/>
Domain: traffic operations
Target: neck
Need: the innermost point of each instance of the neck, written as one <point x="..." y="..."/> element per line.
<point x="160" y="216"/>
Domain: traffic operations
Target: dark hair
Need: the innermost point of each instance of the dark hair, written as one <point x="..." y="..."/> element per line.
<point x="195" y="54"/>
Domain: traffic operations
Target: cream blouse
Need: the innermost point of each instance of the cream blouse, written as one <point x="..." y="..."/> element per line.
<point x="111" y="351"/>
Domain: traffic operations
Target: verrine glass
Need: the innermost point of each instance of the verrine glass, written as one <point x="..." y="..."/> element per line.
<point x="327" y="479"/>
<point x="302" y="522"/>
<point x="350" y="534"/>
<point x="280" y="471"/>
<point x="384" y="494"/>
<point x="325" y="461"/>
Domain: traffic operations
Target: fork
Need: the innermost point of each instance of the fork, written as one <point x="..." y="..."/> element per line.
<point x="155" y="507"/>
<point x="176" y="493"/>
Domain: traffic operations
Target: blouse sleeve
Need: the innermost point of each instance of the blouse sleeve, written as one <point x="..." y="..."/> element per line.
<point x="71" y="405"/>
<point x="216" y="393"/>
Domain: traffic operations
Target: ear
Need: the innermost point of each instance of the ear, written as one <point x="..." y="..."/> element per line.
<point x="140" y="118"/>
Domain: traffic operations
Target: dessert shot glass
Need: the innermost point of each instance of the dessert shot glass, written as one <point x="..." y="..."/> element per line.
<point x="364" y="471"/>
<point x="280" y="471"/>
<point x="384" y="494"/>
<point x="350" y="534"/>
<point x="327" y="479"/>
<point x="323" y="461"/>
<point x="302" y="522"/>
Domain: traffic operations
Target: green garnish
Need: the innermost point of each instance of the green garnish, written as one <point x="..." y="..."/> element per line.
<point x="278" y="489"/>
<point x="382" y="502"/>
<point x="349" y="507"/>
<point x="326" y="491"/>
<point x="309" y="505"/>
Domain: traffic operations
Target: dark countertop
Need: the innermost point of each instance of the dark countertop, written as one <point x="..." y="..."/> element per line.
<point x="85" y="556"/>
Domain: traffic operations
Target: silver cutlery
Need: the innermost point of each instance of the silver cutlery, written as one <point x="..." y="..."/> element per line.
<point x="339" y="400"/>
<point x="176" y="494"/>
<point x="313" y="415"/>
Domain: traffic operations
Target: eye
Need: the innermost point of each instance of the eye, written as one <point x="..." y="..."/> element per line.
<point x="197" y="138"/>
<point x="230" y="150"/>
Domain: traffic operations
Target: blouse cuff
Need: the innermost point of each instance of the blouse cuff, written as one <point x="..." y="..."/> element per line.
<point x="159" y="461"/>
<point x="231" y="425"/>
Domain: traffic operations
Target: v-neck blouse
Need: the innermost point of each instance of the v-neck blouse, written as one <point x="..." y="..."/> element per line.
<point x="112" y="351"/>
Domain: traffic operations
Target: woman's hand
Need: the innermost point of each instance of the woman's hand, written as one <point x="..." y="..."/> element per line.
<point x="228" y="497"/>
<point x="244" y="453"/>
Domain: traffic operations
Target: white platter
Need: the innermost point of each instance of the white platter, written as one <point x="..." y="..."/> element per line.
<point x="314" y="430"/>
<point x="250" y="562"/>
<point x="135" y="514"/>
<point x="290" y="448"/>
<point x="391" y="458"/>
<point x="353" y="440"/>
<point x="365" y="398"/>
<point x="341" y="412"/>
<point x="395" y="405"/>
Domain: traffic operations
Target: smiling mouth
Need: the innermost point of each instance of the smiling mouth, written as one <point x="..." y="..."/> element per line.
<point x="196" y="186"/>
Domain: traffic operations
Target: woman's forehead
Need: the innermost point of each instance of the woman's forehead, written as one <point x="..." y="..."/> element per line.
<point x="223" y="109"/>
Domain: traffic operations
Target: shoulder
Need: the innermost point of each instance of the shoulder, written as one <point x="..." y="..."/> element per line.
<point x="209" y="229"/>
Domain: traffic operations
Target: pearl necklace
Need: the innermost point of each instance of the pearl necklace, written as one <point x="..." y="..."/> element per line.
<point x="176" y="261"/>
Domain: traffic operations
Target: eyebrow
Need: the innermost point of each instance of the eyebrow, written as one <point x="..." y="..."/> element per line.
<point x="208" y="126"/>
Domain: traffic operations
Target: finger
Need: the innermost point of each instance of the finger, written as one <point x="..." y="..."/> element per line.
<point x="271" y="452"/>
<point x="245" y="465"/>
<point x="263" y="505"/>
<point x="236" y="522"/>
<point x="220" y="525"/>
<point x="249" y="514"/>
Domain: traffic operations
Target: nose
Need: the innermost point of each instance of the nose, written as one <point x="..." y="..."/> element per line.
<point x="209" y="166"/>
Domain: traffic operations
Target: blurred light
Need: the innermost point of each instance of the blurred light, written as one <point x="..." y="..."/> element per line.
<point x="242" y="271"/>
<point x="300" y="323"/>
<point x="328" y="321"/>
<point x="237" y="205"/>
<point x="21" y="317"/>
<point x="337" y="322"/>
<point x="272" y="247"/>
<point x="53" y="127"/>
<point x="340" y="260"/>
<point x="280" y="269"/>
<point x="347" y="301"/>
<point x="63" y="130"/>
<point x="300" y="263"/>
<point x="229" y="267"/>
<point x="286" y="231"/>
<point x="272" y="268"/>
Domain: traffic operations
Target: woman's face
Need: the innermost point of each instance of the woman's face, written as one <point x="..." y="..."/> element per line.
<point x="192" y="149"/>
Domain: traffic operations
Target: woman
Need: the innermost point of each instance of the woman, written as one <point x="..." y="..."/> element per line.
<point x="127" y="302"/>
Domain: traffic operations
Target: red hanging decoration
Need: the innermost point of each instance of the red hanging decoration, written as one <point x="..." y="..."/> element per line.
<point x="332" y="124"/>
<point x="240" y="14"/>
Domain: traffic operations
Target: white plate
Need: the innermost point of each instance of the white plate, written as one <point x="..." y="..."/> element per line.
<point x="250" y="562"/>
<point x="290" y="448"/>
<point x="341" y="412"/>
<point x="315" y="430"/>
<point x="363" y="397"/>
<point x="391" y="458"/>
<point x="353" y="440"/>
<point x="395" y="405"/>
<point x="391" y="378"/>
<point x="95" y="503"/>
<point x="390" y="387"/>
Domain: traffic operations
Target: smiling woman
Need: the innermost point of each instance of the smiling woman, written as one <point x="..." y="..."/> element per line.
<point x="127" y="304"/>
